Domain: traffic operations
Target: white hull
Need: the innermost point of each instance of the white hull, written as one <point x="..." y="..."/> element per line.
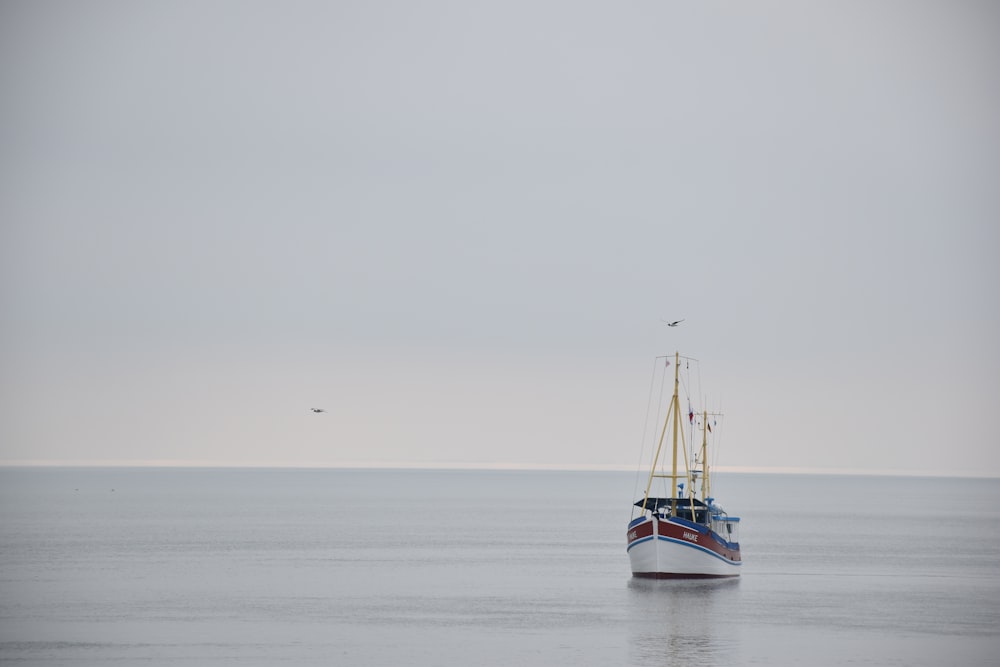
<point x="662" y="557"/>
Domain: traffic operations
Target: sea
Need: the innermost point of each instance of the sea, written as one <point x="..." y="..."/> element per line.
<point x="187" y="566"/>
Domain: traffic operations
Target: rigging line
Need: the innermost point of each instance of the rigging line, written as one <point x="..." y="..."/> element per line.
<point x="645" y="430"/>
<point x="700" y="385"/>
<point x="646" y="424"/>
<point x="689" y="425"/>
<point x="722" y="430"/>
<point x="717" y="436"/>
<point x="704" y="406"/>
<point x="659" y="405"/>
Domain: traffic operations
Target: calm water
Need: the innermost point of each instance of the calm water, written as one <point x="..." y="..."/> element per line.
<point x="264" y="567"/>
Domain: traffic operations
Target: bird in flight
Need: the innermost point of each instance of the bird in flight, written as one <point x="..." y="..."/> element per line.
<point x="674" y="323"/>
<point x="317" y="409"/>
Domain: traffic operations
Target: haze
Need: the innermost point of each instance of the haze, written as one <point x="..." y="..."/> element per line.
<point x="456" y="226"/>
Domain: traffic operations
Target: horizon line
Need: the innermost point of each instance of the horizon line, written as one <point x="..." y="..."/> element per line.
<point x="468" y="465"/>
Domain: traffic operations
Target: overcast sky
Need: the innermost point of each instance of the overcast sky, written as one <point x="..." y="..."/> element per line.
<point x="456" y="226"/>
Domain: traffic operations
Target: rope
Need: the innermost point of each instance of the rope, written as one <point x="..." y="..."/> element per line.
<point x="645" y="427"/>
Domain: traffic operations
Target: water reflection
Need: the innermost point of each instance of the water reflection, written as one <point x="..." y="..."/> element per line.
<point x="681" y="622"/>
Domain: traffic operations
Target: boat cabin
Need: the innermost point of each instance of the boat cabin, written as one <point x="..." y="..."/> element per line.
<point x="695" y="511"/>
<point x="690" y="509"/>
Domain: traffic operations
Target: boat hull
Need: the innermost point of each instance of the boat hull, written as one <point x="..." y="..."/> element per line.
<point x="677" y="549"/>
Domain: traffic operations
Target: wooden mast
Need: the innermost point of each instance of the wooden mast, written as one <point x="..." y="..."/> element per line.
<point x="675" y="402"/>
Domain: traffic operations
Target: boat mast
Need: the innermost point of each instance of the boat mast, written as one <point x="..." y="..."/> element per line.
<point x="677" y="420"/>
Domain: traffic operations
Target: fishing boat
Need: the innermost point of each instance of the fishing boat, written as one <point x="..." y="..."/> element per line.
<point x="683" y="533"/>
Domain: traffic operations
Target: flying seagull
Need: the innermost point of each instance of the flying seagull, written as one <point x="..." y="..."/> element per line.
<point x="317" y="409"/>
<point x="673" y="324"/>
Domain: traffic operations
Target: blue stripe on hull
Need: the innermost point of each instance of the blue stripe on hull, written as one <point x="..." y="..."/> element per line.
<point x="645" y="539"/>
<point x="734" y="563"/>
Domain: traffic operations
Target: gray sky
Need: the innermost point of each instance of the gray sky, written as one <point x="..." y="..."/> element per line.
<point x="456" y="226"/>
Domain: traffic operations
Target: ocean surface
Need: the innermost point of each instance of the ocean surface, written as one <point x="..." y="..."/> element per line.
<point x="360" y="567"/>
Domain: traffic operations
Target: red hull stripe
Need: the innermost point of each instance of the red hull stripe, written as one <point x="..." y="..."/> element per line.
<point x="640" y="533"/>
<point x="683" y="535"/>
